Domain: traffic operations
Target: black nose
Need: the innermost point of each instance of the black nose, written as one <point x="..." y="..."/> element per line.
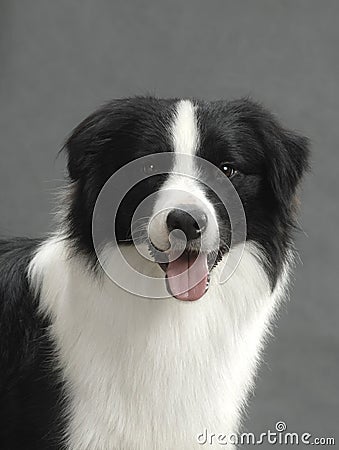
<point x="191" y="221"/>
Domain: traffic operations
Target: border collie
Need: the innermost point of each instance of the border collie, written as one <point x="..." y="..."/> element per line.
<point x="132" y="341"/>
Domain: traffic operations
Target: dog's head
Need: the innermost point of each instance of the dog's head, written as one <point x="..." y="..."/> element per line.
<point x="185" y="148"/>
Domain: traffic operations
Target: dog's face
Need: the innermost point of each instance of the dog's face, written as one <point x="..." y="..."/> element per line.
<point x="198" y="145"/>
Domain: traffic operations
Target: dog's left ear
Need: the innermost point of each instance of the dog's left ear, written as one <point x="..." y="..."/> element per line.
<point x="287" y="155"/>
<point x="288" y="165"/>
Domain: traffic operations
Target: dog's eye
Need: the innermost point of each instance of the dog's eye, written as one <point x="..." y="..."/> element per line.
<point x="228" y="170"/>
<point x="149" y="168"/>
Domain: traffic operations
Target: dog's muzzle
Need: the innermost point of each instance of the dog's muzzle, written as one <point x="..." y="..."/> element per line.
<point x="186" y="268"/>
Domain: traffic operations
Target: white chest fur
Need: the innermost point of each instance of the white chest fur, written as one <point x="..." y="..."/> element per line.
<point x="152" y="374"/>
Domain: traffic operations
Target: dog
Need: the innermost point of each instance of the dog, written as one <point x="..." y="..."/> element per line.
<point x="133" y="341"/>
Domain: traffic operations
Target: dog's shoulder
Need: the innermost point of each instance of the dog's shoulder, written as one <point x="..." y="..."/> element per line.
<point x="19" y="326"/>
<point x="29" y="388"/>
<point x="15" y="255"/>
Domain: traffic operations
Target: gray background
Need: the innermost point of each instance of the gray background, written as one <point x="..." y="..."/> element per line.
<point x="59" y="60"/>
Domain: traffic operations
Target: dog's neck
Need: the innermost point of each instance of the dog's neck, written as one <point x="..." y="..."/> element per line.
<point x="148" y="373"/>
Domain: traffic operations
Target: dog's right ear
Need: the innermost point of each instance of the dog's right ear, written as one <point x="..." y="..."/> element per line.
<point x="83" y="144"/>
<point x="116" y="125"/>
<point x="95" y="135"/>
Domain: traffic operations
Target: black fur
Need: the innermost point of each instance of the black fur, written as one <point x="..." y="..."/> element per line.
<point x="118" y="133"/>
<point x="269" y="163"/>
<point x="30" y="392"/>
<point x="269" y="159"/>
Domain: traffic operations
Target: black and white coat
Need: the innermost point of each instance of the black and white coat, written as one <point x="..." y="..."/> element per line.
<point x="86" y="365"/>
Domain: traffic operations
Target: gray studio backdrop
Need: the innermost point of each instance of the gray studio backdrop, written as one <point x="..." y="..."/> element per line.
<point x="59" y="60"/>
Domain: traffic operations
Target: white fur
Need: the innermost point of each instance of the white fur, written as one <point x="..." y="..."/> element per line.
<point x="151" y="374"/>
<point x="185" y="134"/>
<point x="182" y="187"/>
<point x="145" y="374"/>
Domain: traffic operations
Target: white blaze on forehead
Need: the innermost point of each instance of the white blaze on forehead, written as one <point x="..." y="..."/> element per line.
<point x="185" y="140"/>
<point x="182" y="186"/>
<point x="185" y="133"/>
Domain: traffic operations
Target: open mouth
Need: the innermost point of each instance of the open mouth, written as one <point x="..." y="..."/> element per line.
<point x="187" y="275"/>
<point x="187" y="272"/>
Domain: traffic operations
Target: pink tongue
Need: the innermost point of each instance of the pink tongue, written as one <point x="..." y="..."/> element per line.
<point x="187" y="276"/>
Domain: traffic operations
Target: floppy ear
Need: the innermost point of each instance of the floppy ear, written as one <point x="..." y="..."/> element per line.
<point x="93" y="135"/>
<point x="286" y="155"/>
<point x="82" y="146"/>
<point x="288" y="161"/>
